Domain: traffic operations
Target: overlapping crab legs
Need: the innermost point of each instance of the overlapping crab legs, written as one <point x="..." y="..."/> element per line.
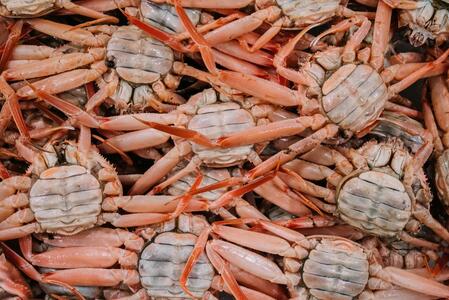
<point x="29" y="270"/>
<point x="284" y="242"/>
<point x="267" y="12"/>
<point x="241" y="60"/>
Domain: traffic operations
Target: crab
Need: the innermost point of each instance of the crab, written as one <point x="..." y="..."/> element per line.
<point x="326" y="78"/>
<point x="12" y="283"/>
<point x="436" y="120"/>
<point x="312" y="266"/>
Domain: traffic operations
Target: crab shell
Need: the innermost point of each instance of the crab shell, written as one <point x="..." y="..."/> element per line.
<point x="164" y="16"/>
<point x="67" y="199"/>
<point x="26" y="8"/>
<point x="215" y="120"/>
<point x="353" y="96"/>
<point x="302" y="13"/>
<point x="336" y="269"/>
<point x="376" y="200"/>
<point x="162" y="261"/>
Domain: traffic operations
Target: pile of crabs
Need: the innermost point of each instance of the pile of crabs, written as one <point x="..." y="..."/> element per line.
<point x="254" y="149"/>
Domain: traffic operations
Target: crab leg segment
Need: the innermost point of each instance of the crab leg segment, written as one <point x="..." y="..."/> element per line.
<point x="68" y="108"/>
<point x="31" y="272"/>
<point x="192" y="135"/>
<point x="156" y="204"/>
<point x="381" y="34"/>
<point x="65" y="81"/>
<point x="161" y="168"/>
<point x="13" y="107"/>
<point x="95" y="277"/>
<point x="223" y="269"/>
<point x="13" y="39"/>
<point x="273" y="131"/>
<point x="11" y="280"/>
<point x="106" y="237"/>
<point x="53" y="65"/>
<point x="293" y="150"/>
<point x="207" y="4"/>
<point x="414" y="282"/>
<point x="69" y="33"/>
<point x="249" y="261"/>
<point x="78" y="257"/>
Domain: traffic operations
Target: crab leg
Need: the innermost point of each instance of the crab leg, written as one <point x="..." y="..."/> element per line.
<point x="68" y="108"/>
<point x="249" y="261"/>
<point x="413" y="282"/>
<point x="226" y="275"/>
<point x="256" y="283"/>
<point x="275" y="195"/>
<point x="10" y="186"/>
<point x="132" y="123"/>
<point x="65" y="81"/>
<point x="207" y="4"/>
<point x="69" y="33"/>
<point x="18" y="232"/>
<point x="102" y="5"/>
<point x="189" y="134"/>
<point x="193" y="165"/>
<point x="11" y="280"/>
<point x="78" y="257"/>
<point x="95" y="277"/>
<point x="258" y="57"/>
<point x="88" y="12"/>
<point x="161" y="168"/>
<point x="13" y="107"/>
<point x="227" y="197"/>
<point x="53" y="65"/>
<point x="220" y="285"/>
<point x="105" y="236"/>
<point x="272" y="131"/>
<point x="440" y="104"/>
<point x="418" y="74"/>
<point x="17" y="219"/>
<point x="294" y="150"/>
<point x="381" y="34"/>
<point x="311" y="171"/>
<point x="401" y="71"/>
<point x="136" y="140"/>
<point x="13" y="39"/>
<point x="31" y="272"/>
<point x="147" y="204"/>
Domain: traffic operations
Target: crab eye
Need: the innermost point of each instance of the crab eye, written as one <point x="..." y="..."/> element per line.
<point x="110" y="63"/>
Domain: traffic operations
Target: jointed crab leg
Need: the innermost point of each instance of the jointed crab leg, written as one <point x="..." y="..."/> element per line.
<point x="78" y="257"/>
<point x="29" y="270"/>
<point x="13" y="39"/>
<point x="107" y="237"/>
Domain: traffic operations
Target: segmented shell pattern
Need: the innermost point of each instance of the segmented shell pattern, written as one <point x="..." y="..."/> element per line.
<point x="426" y="22"/>
<point x="216" y="120"/>
<point x="162" y="261"/>
<point x="305" y="12"/>
<point x="164" y="16"/>
<point x="138" y="58"/>
<point x="26" y="8"/>
<point x="354" y="96"/>
<point x="66" y="199"/>
<point x="335" y="270"/>
<point x="376" y="201"/>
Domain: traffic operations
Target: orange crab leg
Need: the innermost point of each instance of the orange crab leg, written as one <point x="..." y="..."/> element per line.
<point x="13" y="39"/>
<point x="68" y="108"/>
<point x="198" y="249"/>
<point x="229" y="196"/>
<point x="31" y="272"/>
<point x="185" y="199"/>
<point x="192" y="135"/>
<point x="223" y="269"/>
<point x="14" y="108"/>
